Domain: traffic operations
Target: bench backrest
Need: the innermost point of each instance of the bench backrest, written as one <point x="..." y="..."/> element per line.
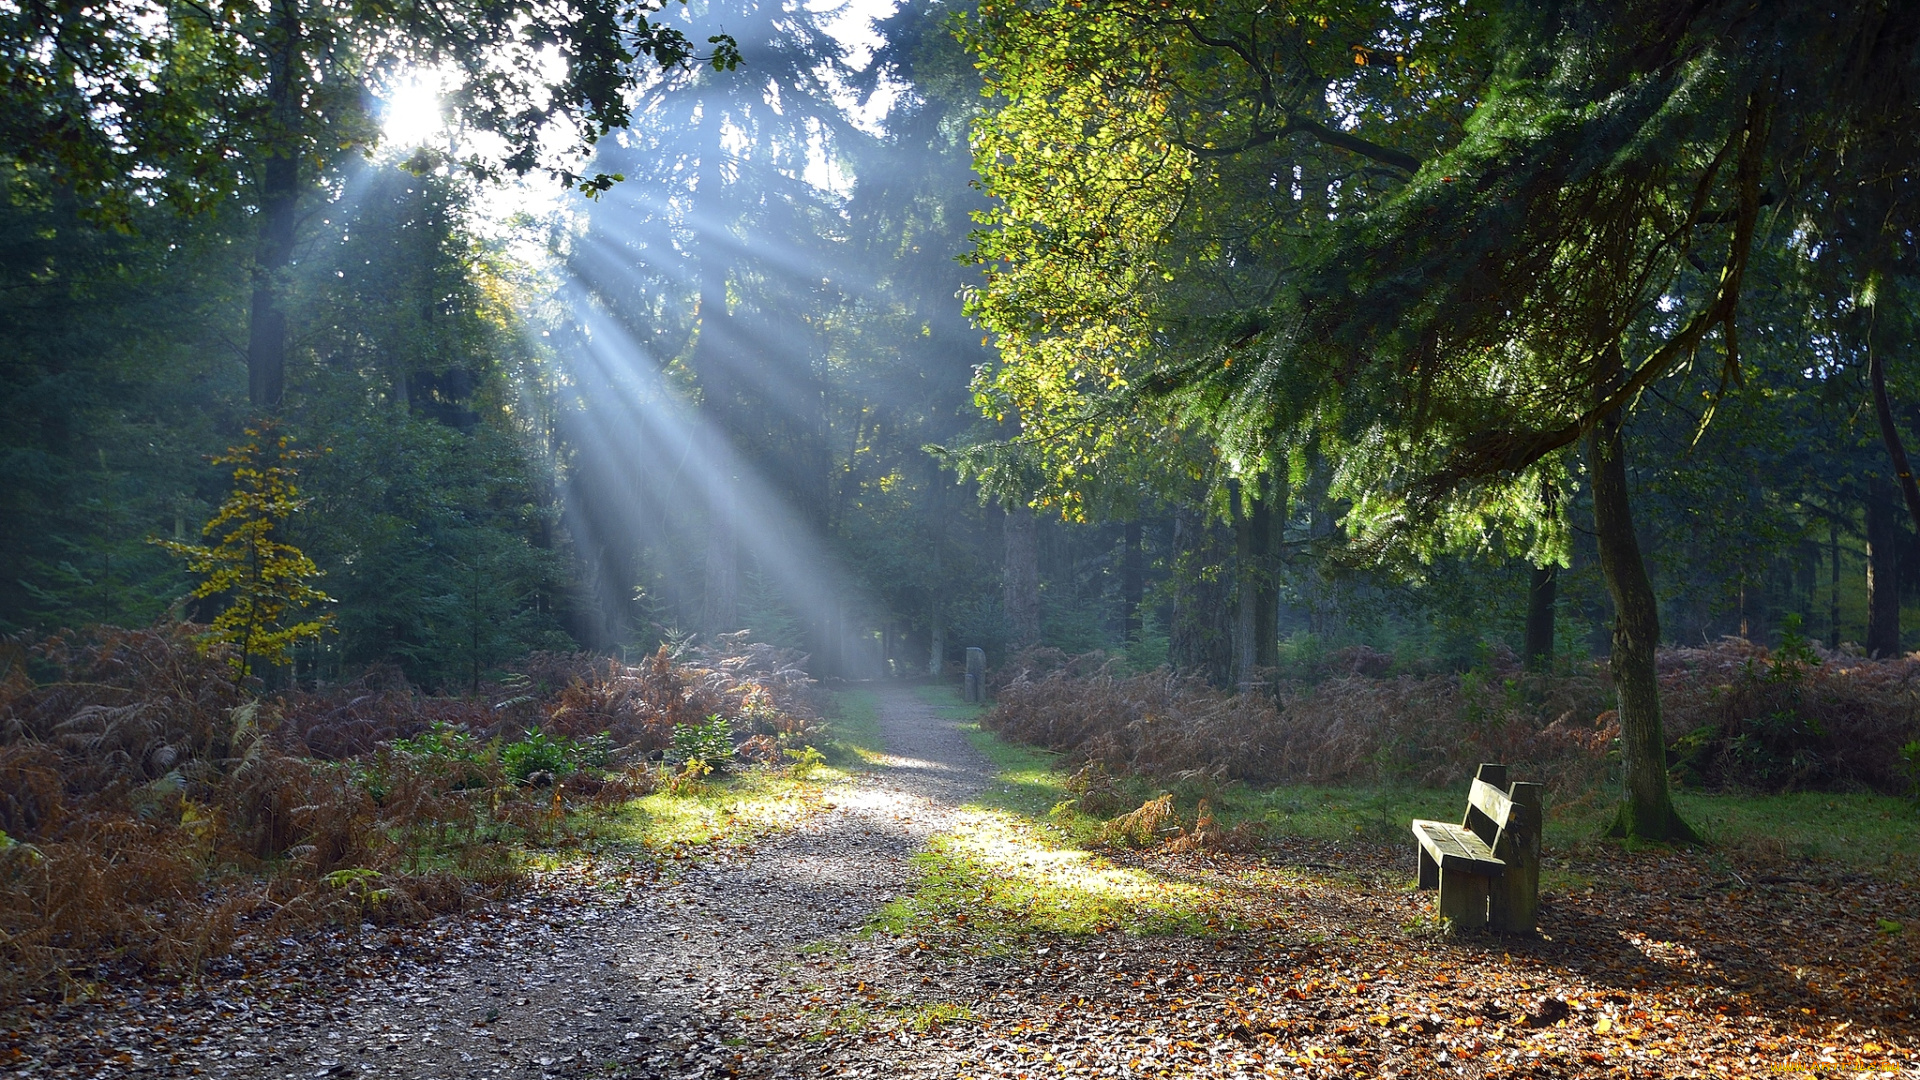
<point x="1494" y="806"/>
<point x="1488" y="806"/>
<point x="1507" y="817"/>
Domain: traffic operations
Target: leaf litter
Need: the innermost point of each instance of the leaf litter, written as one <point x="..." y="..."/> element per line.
<point x="1311" y="958"/>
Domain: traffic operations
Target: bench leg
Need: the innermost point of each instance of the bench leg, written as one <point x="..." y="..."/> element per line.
<point x="1429" y="870"/>
<point x="1463" y="898"/>
<point x="1513" y="902"/>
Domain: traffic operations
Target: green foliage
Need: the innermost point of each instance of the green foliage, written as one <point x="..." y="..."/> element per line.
<point x="113" y="398"/>
<point x="359" y="883"/>
<point x="436" y="515"/>
<point x="538" y="752"/>
<point x="262" y="579"/>
<point x="454" y="750"/>
<point x="1795" y="653"/>
<point x="1910" y="765"/>
<point x="710" y="743"/>
<point x="764" y="615"/>
<point x="534" y="752"/>
<point x="443" y="741"/>
<point x="804" y="763"/>
<point x="148" y="101"/>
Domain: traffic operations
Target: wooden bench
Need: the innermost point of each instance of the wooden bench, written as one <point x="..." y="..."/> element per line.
<point x="1488" y="867"/>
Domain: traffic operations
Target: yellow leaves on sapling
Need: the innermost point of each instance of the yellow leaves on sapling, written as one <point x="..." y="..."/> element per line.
<point x="270" y="603"/>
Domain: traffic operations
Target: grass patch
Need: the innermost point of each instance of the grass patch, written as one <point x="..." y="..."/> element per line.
<point x="854" y="721"/>
<point x="836" y="1019"/>
<point x="1002" y="875"/>
<point x="929" y="1018"/>
<point x="1025" y="781"/>
<point x="1013" y="868"/>
<point x="1020" y="861"/>
<point x="1859" y="829"/>
<point x="734" y="808"/>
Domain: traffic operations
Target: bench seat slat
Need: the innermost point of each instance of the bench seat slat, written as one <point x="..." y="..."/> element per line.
<point x="1456" y="847"/>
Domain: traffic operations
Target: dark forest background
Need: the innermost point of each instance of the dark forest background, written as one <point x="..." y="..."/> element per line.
<point x="723" y="397"/>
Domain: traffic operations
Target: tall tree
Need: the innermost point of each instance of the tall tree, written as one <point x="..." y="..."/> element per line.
<point x="1021" y="578"/>
<point x="202" y="104"/>
<point x="1447" y="343"/>
<point x="718" y="261"/>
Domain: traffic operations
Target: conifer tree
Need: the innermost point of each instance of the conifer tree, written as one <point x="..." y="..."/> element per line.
<point x="263" y="579"/>
<point x="1546" y="210"/>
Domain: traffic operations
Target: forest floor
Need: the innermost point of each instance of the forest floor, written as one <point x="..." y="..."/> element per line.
<point x="925" y="920"/>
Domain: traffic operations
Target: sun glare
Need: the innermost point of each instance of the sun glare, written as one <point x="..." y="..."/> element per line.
<point x="412" y="116"/>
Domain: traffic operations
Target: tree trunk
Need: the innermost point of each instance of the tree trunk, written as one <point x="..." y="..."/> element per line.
<point x="1646" y="811"/>
<point x="1201" y="636"/>
<point x="279" y="204"/>
<point x="1889" y="434"/>
<point x="1542" y="591"/>
<point x="1883" y="572"/>
<point x="1267" y="517"/>
<point x="1246" y="588"/>
<point x="1133" y="583"/>
<point x="1022" y="581"/>
<point x="936" y="618"/>
<point x="1833" y="575"/>
<point x="720" y="608"/>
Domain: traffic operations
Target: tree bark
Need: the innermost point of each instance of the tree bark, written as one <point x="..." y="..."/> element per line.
<point x="1889" y="434"/>
<point x="1246" y="618"/>
<point x="1022" y="582"/>
<point x="1133" y="583"/>
<point x="1883" y="572"/>
<point x="720" y="607"/>
<point x="279" y="204"/>
<point x="1646" y="809"/>
<point x="1201" y="637"/>
<point x="1833" y="576"/>
<point x="1542" y="591"/>
<point x="1268" y="515"/>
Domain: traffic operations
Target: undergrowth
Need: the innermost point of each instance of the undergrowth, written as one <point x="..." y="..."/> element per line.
<point x="1739" y="718"/>
<point x="152" y="811"/>
<point x="1044" y="849"/>
<point x="1095" y="803"/>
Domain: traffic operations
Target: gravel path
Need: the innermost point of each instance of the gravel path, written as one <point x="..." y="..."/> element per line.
<point x="606" y="975"/>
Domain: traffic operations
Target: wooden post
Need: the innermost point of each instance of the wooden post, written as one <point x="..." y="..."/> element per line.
<point x="1514" y="898"/>
<point x="976" y="674"/>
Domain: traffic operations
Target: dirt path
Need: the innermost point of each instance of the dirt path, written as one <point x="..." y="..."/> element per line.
<point x="600" y="973"/>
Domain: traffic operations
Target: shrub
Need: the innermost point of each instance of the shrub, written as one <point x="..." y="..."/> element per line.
<point x="536" y="752"/>
<point x="710" y="743"/>
<point x="804" y="763"/>
<point x="1790" y="719"/>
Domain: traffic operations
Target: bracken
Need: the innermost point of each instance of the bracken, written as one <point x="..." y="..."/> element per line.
<point x="151" y="810"/>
